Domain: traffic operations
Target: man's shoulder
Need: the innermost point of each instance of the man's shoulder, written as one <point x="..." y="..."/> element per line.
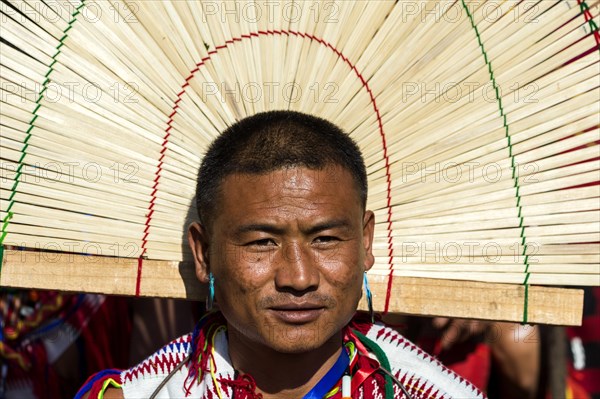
<point x="163" y="361"/>
<point x="416" y="369"/>
<point x="148" y="374"/>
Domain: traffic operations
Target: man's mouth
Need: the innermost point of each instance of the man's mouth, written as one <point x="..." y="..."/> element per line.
<point x="297" y="313"/>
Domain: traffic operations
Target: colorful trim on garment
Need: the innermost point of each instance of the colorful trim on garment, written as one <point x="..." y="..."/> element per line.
<point x="97" y="384"/>
<point x="198" y="365"/>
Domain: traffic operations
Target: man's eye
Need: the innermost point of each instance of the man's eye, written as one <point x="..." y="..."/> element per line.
<point x="325" y="240"/>
<point x="265" y="242"/>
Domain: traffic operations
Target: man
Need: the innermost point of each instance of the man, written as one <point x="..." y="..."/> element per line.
<point x="284" y="240"/>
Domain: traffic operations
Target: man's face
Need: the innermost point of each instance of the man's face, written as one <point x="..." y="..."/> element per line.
<point x="287" y="250"/>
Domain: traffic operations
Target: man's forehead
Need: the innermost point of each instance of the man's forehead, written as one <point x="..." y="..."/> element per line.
<point x="291" y="187"/>
<point x="293" y="178"/>
<point x="287" y="194"/>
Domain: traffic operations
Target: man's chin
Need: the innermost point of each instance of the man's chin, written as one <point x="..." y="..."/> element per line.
<point x="295" y="339"/>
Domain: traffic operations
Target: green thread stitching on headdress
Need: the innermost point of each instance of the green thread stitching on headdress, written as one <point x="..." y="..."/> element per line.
<point x="19" y="170"/>
<point x="585" y="8"/>
<point x="511" y="155"/>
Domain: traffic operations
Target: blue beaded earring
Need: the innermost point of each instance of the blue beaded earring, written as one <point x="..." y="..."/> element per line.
<point x="369" y="297"/>
<point x="210" y="299"/>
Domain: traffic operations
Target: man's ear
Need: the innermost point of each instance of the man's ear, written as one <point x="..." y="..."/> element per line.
<point x="368" y="232"/>
<point x="198" y="240"/>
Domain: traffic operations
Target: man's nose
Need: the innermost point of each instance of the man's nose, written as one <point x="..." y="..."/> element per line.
<point x="297" y="269"/>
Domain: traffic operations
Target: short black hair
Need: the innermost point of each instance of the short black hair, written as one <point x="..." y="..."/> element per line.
<point x="273" y="140"/>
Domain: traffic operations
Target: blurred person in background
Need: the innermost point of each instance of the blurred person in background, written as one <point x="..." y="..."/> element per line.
<point x="49" y="341"/>
<point x="583" y="348"/>
<point x="501" y="359"/>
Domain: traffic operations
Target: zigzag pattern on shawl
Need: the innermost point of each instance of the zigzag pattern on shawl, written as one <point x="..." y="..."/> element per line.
<point x="418" y="387"/>
<point x="411" y="383"/>
<point x="177" y="351"/>
<point x="162" y="361"/>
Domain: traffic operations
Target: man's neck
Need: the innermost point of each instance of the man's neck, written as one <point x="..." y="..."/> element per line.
<point x="282" y="375"/>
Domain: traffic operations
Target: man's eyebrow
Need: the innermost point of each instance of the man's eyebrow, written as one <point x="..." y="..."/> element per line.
<point x="269" y="228"/>
<point x="329" y="224"/>
<point x="252" y="227"/>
